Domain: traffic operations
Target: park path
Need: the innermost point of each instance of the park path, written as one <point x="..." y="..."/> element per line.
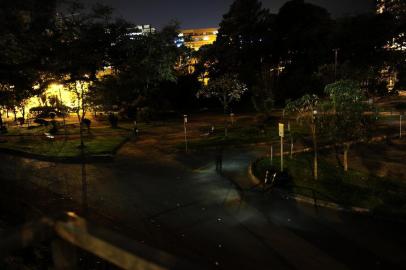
<point x="178" y="203"/>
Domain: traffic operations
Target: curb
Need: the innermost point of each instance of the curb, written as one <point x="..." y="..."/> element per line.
<point x="309" y="200"/>
<point x="102" y="158"/>
<point x="322" y="203"/>
<point x="325" y="204"/>
<point x="70" y="160"/>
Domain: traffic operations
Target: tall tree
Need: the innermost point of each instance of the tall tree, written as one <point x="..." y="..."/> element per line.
<point x="26" y="28"/>
<point x="140" y="65"/>
<point x="303" y="35"/>
<point x="307" y="109"/>
<point x="243" y="41"/>
<point x="82" y="42"/>
<point x="348" y="121"/>
<point x="227" y="89"/>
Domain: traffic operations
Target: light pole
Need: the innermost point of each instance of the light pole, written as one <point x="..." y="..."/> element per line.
<point x="400" y="125"/>
<point x="281" y="135"/>
<point x="314" y="134"/>
<point x="185" y="127"/>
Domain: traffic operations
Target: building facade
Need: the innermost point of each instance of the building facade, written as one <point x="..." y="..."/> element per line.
<point x="141" y="30"/>
<point x="397" y="8"/>
<point x="197" y="38"/>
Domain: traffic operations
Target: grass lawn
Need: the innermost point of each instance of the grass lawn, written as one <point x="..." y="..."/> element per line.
<point x="236" y="136"/>
<point x="383" y="195"/>
<point x="101" y="140"/>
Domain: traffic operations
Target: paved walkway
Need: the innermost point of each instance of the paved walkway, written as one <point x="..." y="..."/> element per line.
<point x="179" y="203"/>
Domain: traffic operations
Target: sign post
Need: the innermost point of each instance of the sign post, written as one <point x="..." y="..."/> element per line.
<point x="184" y="125"/>
<point x="282" y="135"/>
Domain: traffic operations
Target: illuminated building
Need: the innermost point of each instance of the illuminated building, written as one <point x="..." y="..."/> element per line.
<point x="194" y="39"/>
<point x="197" y="38"/>
<point x="397" y="8"/>
<point x="141" y="30"/>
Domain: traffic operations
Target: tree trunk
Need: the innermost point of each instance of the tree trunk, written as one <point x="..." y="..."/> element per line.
<point x="15" y="114"/>
<point x="315" y="160"/>
<point x="316" y="166"/>
<point x="23" y="111"/>
<point x="63" y="115"/>
<point x="346" y="149"/>
<point x="225" y="120"/>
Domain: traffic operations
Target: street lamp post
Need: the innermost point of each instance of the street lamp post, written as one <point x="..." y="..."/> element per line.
<point x="185" y="127"/>
<point x="314" y="134"/>
<point x="281" y="135"/>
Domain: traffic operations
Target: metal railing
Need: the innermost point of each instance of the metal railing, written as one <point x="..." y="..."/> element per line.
<point x="72" y="234"/>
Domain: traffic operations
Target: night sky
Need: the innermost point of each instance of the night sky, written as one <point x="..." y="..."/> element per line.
<point x="208" y="13"/>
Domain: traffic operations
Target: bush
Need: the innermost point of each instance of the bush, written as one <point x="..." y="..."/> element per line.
<point x="401" y="107"/>
<point x="144" y="114"/>
<point x="113" y="120"/>
<point x="54" y="128"/>
<point x="41" y="122"/>
<point x="46" y="111"/>
<point x="87" y="123"/>
<point x="20" y="121"/>
<point x="3" y="130"/>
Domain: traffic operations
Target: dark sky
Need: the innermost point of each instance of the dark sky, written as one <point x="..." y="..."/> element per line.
<point x="208" y="13"/>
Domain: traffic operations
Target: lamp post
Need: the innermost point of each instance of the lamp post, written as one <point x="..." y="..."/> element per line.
<point x="185" y="127"/>
<point x="314" y="134"/>
<point x="281" y="135"/>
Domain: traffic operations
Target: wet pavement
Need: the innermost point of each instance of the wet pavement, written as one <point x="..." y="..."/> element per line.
<point x="180" y="204"/>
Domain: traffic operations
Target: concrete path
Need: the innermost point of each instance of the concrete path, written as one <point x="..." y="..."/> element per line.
<point x="180" y="204"/>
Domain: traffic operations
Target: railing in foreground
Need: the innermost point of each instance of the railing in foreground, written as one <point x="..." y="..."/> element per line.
<point x="74" y="233"/>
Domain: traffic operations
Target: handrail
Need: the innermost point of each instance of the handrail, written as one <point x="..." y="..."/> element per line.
<point x="75" y="232"/>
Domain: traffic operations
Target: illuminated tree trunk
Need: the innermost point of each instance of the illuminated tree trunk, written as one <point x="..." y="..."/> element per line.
<point x="315" y="158"/>
<point x="346" y="149"/>
<point x="15" y="114"/>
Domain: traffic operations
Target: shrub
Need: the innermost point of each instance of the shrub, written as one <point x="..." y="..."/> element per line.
<point x="401" y="107"/>
<point x="45" y="111"/>
<point x="54" y="127"/>
<point x="41" y="122"/>
<point x="87" y="123"/>
<point x="113" y="120"/>
<point x="20" y="121"/>
<point x="3" y="130"/>
<point x="145" y="114"/>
